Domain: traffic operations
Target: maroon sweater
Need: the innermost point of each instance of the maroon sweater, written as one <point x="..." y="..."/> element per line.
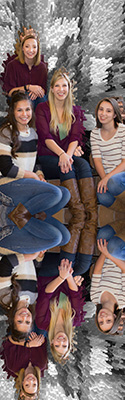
<point x="43" y="118"/>
<point x="18" y="74"/>
<point x="43" y="314"/>
<point x="16" y="357"/>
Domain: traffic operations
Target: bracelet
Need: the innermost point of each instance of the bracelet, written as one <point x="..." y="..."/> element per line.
<point x="61" y="278"/>
<point x="61" y="153"/>
<point x="25" y="88"/>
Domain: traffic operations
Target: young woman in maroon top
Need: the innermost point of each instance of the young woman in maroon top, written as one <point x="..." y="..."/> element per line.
<point x="26" y="71"/>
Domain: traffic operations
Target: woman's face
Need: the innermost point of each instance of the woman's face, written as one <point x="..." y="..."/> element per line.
<point x="23" y="113"/>
<point x="60" y="89"/>
<point x="30" y="384"/>
<point x="105" y="319"/>
<point x="23" y="320"/>
<point x="30" y="48"/>
<point x="60" y="343"/>
<point x="106" y="113"/>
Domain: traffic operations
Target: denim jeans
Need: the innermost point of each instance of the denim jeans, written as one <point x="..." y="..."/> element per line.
<point x="36" y="235"/>
<point x="80" y="168"/>
<point x="116" y="246"/>
<point x="116" y="185"/>
<point x="51" y="261"/>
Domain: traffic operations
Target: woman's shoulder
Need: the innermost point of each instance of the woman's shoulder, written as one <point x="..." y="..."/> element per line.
<point x="5" y="133"/>
<point x="43" y="107"/>
<point x="121" y="128"/>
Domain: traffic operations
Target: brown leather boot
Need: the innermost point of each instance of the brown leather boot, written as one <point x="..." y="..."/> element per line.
<point x="89" y="199"/>
<point x="20" y="215"/>
<point x="78" y="216"/>
<point x="119" y="203"/>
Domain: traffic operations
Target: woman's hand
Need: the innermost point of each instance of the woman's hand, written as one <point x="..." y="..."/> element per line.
<point x="103" y="247"/>
<point x="31" y="175"/>
<point x="78" y="151"/>
<point x="65" y="269"/>
<point x="78" y="280"/>
<point x="35" y="90"/>
<point x="102" y="185"/>
<point x="35" y="340"/>
<point x="65" y="163"/>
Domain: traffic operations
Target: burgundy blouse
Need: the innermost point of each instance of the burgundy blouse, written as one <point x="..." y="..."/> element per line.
<point x="16" y="357"/>
<point x="18" y="74"/>
<point x="43" y="118"/>
<point x="42" y="307"/>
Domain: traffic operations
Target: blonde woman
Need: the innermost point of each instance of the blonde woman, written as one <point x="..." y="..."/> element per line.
<point x="59" y="308"/>
<point x="60" y="130"/>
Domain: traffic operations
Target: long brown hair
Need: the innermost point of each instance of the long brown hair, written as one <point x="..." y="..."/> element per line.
<point x="19" y="383"/>
<point x="10" y="309"/>
<point x="11" y="123"/>
<point x="19" y="50"/>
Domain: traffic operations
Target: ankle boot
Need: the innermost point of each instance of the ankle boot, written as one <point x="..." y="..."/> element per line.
<point x="78" y="216"/>
<point x="20" y="215"/>
<point x="41" y="215"/>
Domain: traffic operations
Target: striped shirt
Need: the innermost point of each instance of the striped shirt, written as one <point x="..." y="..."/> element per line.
<point x="14" y="168"/>
<point x="26" y="276"/>
<point x="111" y="280"/>
<point x="111" y="151"/>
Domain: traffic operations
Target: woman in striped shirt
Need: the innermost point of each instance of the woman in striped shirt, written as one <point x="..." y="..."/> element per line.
<point x="108" y="290"/>
<point x="108" y="152"/>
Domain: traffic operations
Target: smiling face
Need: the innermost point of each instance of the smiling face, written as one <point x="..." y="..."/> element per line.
<point x="30" y="48"/>
<point x="60" y="343"/>
<point x="105" y="319"/>
<point x="30" y="384"/>
<point x="23" y="320"/>
<point x="60" y="89"/>
<point x="106" y="113"/>
<point x="22" y="113"/>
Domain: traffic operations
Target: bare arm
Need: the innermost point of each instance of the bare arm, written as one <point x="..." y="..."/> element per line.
<point x="53" y="285"/>
<point x="102" y="185"/>
<point x="72" y="284"/>
<point x="99" y="264"/>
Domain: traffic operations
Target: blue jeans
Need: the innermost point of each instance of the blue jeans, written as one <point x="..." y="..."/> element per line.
<point x="36" y="235"/>
<point x="116" y="185"/>
<point x="51" y="261"/>
<point x="80" y="168"/>
<point x="116" y="246"/>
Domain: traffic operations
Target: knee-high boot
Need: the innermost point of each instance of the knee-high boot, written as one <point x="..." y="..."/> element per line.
<point x="119" y="203"/>
<point x="78" y="215"/>
<point x="88" y="233"/>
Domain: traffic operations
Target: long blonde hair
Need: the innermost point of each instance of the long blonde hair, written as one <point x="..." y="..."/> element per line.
<point x="68" y="315"/>
<point x="68" y="116"/>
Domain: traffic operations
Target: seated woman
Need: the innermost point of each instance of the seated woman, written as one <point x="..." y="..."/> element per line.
<point x="108" y="290"/>
<point x="108" y="152"/>
<point x="60" y="307"/>
<point x="24" y="193"/>
<point x="27" y="383"/>
<point x="60" y="129"/>
<point x="26" y="72"/>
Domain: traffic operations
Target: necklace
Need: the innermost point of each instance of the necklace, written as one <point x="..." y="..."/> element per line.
<point x="26" y="133"/>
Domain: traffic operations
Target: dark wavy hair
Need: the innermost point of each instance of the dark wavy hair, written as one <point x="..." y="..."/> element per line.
<point x="11" y="123"/>
<point x="10" y="309"/>
<point x="115" y="106"/>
